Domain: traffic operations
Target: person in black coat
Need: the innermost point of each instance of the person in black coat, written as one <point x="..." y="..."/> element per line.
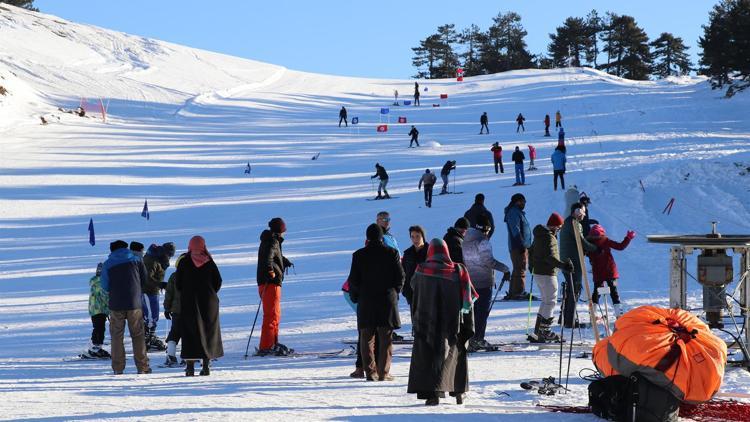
<point x="375" y="280"/>
<point x="342" y="117"/>
<point x="272" y="265"/>
<point x="484" y="121"/>
<point x="414" y="133"/>
<point x="473" y="213"/>
<point x="381" y="174"/>
<point x="454" y="238"/>
<point x="413" y="256"/>
<point x="198" y="281"/>
<point x="445" y="172"/>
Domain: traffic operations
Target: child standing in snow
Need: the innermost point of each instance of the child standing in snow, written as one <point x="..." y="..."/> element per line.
<point x="99" y="311"/>
<point x="603" y="263"/>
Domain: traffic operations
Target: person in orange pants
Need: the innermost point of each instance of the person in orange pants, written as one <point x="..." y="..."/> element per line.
<point x="270" y="275"/>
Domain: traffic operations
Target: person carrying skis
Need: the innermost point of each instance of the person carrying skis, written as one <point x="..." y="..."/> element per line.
<point x="342" y="116"/>
<point x="558" y="119"/>
<point x="443" y="323"/>
<point x="532" y="157"/>
<point x="416" y="94"/>
<point x="569" y="252"/>
<point x="481" y="263"/>
<point x="270" y="275"/>
<point x="454" y="238"/>
<point x="445" y="172"/>
<point x="519" y="240"/>
<point x="172" y="306"/>
<point x="414" y="133"/>
<point x="428" y="179"/>
<point x="484" y="121"/>
<point x="558" y="167"/>
<point x="497" y="156"/>
<point x="413" y="256"/>
<point x="603" y="264"/>
<point x="99" y="311"/>
<point x="375" y="281"/>
<point x="383" y="176"/>
<point x="544" y="261"/>
<point x="546" y="125"/>
<point x="520" y="119"/>
<point x="473" y="213"/>
<point x="518" y="158"/>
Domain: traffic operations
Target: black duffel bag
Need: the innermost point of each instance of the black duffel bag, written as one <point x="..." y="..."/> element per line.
<point x="632" y="399"/>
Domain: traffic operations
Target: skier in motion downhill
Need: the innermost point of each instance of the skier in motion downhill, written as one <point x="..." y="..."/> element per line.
<point x="381" y="174"/>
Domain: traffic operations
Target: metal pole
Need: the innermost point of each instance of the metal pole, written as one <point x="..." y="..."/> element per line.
<point x="260" y="302"/>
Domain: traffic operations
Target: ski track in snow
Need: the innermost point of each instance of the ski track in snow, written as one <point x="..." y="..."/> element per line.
<point x="182" y="125"/>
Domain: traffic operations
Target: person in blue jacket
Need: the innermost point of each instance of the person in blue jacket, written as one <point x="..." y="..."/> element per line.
<point x="519" y="241"/>
<point x="558" y="166"/>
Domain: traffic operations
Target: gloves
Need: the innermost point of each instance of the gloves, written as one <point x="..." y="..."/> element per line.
<point x="630" y="235"/>
<point x="506" y="276"/>
<point x="569" y="268"/>
<point x="167" y="315"/>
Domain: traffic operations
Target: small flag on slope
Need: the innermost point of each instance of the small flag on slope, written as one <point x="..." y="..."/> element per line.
<point x="92" y="237"/>
<point x="145" y="213"/>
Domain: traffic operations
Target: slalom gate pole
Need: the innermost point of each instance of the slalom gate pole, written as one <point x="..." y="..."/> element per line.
<point x="528" y="316"/>
<point x="260" y="302"/>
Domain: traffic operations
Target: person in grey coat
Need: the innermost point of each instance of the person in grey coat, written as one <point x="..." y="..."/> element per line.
<point x="481" y="263"/>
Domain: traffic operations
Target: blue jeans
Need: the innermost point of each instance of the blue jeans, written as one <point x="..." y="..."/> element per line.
<point x="482" y="311"/>
<point x="520" y="176"/>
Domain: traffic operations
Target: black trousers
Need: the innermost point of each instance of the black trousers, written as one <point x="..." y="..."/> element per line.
<point x="519" y="127"/>
<point x="428" y="195"/>
<point x="561" y="175"/>
<point x="558" y="124"/>
<point x="484" y="125"/>
<point x="546" y="130"/>
<point x="613" y="293"/>
<point x="99" y="322"/>
<point x="499" y="163"/>
<point x="174" y="332"/>
<point x="343" y="119"/>
<point x="414" y="139"/>
<point x="416" y="100"/>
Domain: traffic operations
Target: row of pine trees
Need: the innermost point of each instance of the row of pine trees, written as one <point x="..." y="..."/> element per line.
<point x="612" y="43"/>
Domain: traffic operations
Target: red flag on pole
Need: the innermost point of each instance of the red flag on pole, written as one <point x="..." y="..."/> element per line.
<point x="443" y="96"/>
<point x="402" y="119"/>
<point x="382" y="128"/>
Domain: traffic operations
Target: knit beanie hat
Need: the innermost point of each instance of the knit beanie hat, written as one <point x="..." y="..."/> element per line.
<point x="136" y="246"/>
<point x="555" y="220"/>
<point x="117" y="244"/>
<point x="169" y="249"/>
<point x="483" y="222"/>
<point x="277" y="225"/>
<point x="374" y="233"/>
<point x="462" y="223"/>
<point x="597" y="231"/>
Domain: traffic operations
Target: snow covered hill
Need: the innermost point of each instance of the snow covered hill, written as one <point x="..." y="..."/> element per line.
<point x="183" y="124"/>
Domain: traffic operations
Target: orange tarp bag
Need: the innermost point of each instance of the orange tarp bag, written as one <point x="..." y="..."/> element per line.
<point x="670" y="347"/>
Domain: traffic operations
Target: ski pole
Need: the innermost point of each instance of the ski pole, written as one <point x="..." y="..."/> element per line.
<point x="494" y="299"/>
<point x="260" y="302"/>
<point x="562" y="328"/>
<point x="528" y="317"/>
<point x="572" y="334"/>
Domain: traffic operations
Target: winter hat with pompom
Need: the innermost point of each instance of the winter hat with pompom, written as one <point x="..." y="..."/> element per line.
<point x="277" y="225"/>
<point x="597" y="231"/>
<point x="555" y="220"/>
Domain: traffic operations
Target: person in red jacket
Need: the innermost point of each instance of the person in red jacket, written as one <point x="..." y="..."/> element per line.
<point x="532" y="157"/>
<point x="546" y="125"/>
<point x="603" y="263"/>
<point x="497" y="155"/>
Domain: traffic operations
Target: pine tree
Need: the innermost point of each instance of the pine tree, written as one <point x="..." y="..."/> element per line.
<point x="435" y="57"/>
<point x="26" y="4"/>
<point x="504" y="47"/>
<point x="726" y="46"/>
<point x="627" y="44"/>
<point x="670" y="56"/>
<point x="470" y="39"/>
<point x="594" y="26"/>
<point x="569" y="42"/>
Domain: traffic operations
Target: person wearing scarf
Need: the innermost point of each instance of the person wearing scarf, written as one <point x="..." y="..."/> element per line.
<point x="443" y="322"/>
<point x="198" y="281"/>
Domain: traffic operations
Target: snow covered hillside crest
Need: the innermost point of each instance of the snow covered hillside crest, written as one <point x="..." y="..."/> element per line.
<point x="184" y="123"/>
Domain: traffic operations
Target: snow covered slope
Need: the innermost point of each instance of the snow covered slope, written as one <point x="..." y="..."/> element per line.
<point x="183" y="124"/>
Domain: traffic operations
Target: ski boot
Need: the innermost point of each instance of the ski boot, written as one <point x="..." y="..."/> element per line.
<point x="281" y="350"/>
<point x="171" y="362"/>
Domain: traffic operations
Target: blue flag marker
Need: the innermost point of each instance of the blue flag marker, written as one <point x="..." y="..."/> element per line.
<point x="145" y="213"/>
<point x="385" y="110"/>
<point x="92" y="237"/>
<point x="355" y="120"/>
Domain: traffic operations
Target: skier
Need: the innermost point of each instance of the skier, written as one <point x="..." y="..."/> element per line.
<point x="428" y="179"/>
<point x="484" y="120"/>
<point x="569" y="251"/>
<point x="395" y="97"/>
<point x="414" y="133"/>
<point x="532" y="157"/>
<point x="375" y="281"/>
<point x="477" y="209"/>
<point x="519" y="240"/>
<point x="415" y="255"/>
<point x="454" y="238"/>
<point x="497" y="156"/>
<point x="481" y="263"/>
<point x="270" y="275"/>
<point x="198" y="281"/>
<point x="443" y="302"/>
<point x="156" y="261"/>
<point x="518" y="158"/>
<point x="383" y="176"/>
<point x="561" y="137"/>
<point x="558" y="167"/>
<point x="544" y="260"/>
<point x="603" y="264"/>
<point x="445" y="172"/>
<point x="99" y="311"/>
<point x="172" y="308"/>
<point x="546" y="125"/>
<point x="123" y="274"/>
<point x="342" y="117"/>
<point x="416" y="94"/>
<point x="520" y="119"/>
<point x="558" y="119"/>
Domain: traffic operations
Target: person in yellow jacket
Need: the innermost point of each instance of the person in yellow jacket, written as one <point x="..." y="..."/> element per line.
<point x="558" y="119"/>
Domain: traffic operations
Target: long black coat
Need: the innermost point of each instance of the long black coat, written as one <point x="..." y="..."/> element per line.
<point x="375" y="280"/>
<point x="441" y="332"/>
<point x="455" y="242"/>
<point x="473" y="213"/>
<point x="199" y="309"/>
<point x="411" y="259"/>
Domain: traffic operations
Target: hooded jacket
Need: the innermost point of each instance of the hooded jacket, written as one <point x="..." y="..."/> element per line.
<point x="544" y="255"/>
<point x="455" y="241"/>
<point x="603" y="264"/>
<point x="123" y="276"/>
<point x="479" y="260"/>
<point x="271" y="258"/>
<point x="519" y="231"/>
<point x="156" y="262"/>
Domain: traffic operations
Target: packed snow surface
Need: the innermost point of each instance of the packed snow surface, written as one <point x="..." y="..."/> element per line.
<point x="182" y="125"/>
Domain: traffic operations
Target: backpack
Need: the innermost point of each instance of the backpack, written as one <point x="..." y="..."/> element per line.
<point x="634" y="398"/>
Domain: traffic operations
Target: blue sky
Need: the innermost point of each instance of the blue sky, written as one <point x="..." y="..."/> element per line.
<point x="355" y="38"/>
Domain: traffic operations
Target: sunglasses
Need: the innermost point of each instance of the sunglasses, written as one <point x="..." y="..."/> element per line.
<point x="386" y="219"/>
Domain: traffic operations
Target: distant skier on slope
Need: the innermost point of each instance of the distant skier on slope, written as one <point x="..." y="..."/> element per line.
<point x="518" y="158"/>
<point x="484" y="121"/>
<point x="395" y="97"/>
<point x="532" y="157"/>
<point x="342" y="116"/>
<point x="381" y="174"/>
<point x="546" y="125"/>
<point x="428" y="179"/>
<point x="416" y="94"/>
<point x="520" y="119"/>
<point x="558" y="119"/>
<point x="445" y="172"/>
<point x="561" y="137"/>
<point x="414" y="133"/>
<point x="497" y="156"/>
